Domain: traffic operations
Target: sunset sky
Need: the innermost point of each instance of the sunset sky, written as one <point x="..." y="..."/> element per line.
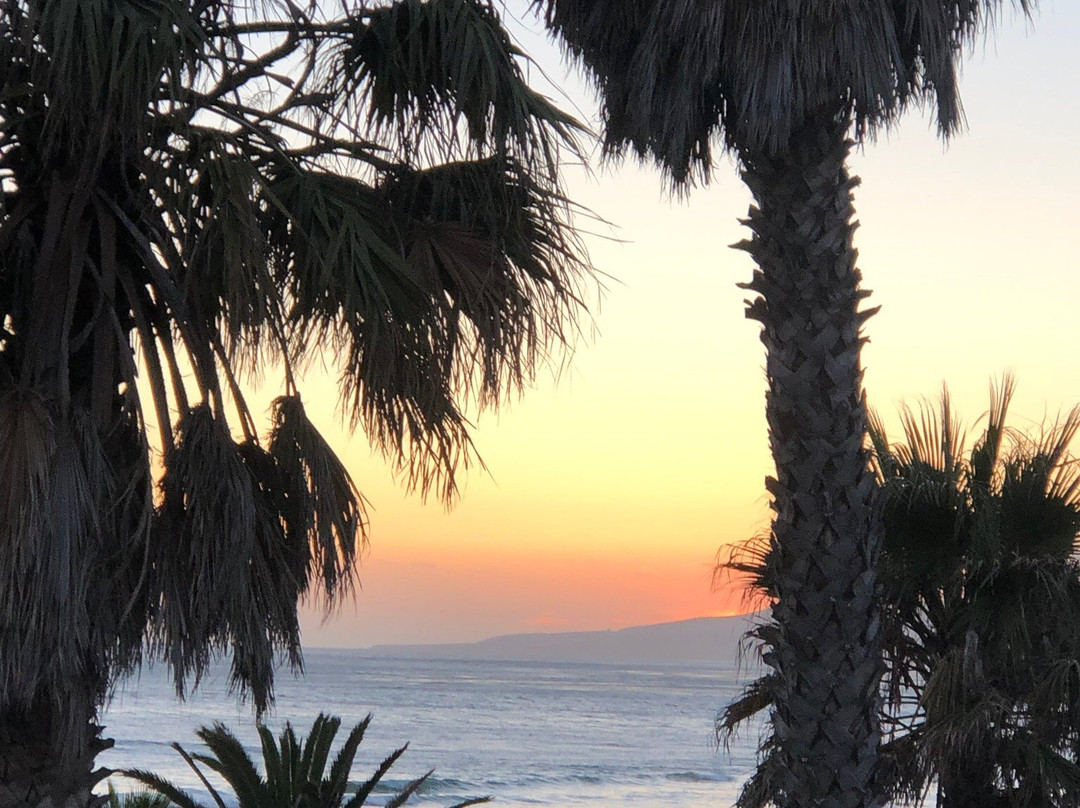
<point x="610" y="491"/>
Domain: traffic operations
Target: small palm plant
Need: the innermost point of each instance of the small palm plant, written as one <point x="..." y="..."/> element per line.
<point x="142" y="798"/>
<point x="980" y="615"/>
<point x="294" y="774"/>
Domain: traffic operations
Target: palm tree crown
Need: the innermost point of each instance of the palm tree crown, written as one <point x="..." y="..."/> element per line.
<point x="981" y="685"/>
<point x="676" y="75"/>
<point x="193" y="192"/>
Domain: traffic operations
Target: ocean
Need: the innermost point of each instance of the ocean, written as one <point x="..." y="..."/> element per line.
<point x="526" y="733"/>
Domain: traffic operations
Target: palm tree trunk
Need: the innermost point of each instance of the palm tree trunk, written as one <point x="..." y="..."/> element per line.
<point x="47" y="760"/>
<point x="826" y="536"/>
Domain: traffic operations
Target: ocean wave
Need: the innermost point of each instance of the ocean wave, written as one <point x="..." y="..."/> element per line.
<point x="433" y="785"/>
<point x="135" y="742"/>
<point x="697" y="777"/>
<point x="597" y="776"/>
<point x="546" y="736"/>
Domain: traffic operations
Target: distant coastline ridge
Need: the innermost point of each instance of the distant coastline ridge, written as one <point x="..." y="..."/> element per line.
<point x="701" y="639"/>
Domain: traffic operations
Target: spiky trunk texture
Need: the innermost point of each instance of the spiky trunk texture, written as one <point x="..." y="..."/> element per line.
<point x="826" y="537"/>
<point x="43" y="764"/>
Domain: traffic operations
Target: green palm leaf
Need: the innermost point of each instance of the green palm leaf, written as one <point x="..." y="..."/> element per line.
<point x="295" y="774"/>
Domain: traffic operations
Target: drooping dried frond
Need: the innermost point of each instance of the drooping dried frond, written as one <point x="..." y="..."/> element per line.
<point x="762" y="787"/>
<point x="214" y="532"/>
<point x="752" y="701"/>
<point x="477" y="292"/>
<point x="190" y="191"/>
<point x="750" y="565"/>
<point x="27" y="442"/>
<point x="323" y="511"/>
<point x="678" y="76"/>
<point x="66" y="491"/>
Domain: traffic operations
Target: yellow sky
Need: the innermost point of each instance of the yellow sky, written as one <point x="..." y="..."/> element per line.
<point x="610" y="492"/>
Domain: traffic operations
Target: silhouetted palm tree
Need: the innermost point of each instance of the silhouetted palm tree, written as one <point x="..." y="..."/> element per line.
<point x="294" y="772"/>
<point x="981" y="614"/>
<point x="983" y="596"/>
<point x="200" y="191"/>
<point x="784" y="85"/>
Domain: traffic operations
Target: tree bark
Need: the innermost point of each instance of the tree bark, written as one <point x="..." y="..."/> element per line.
<point x="47" y="760"/>
<point x="826" y="535"/>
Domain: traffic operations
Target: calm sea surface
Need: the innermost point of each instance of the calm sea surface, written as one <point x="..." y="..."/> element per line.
<point x="526" y="733"/>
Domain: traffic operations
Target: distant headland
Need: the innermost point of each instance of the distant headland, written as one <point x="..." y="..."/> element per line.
<point x="702" y="639"/>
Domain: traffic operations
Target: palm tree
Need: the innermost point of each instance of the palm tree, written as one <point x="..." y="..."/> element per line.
<point x="192" y="193"/>
<point x="294" y="771"/>
<point x="983" y="610"/>
<point x="142" y="798"/>
<point x="784" y="85"/>
<point x="982" y="687"/>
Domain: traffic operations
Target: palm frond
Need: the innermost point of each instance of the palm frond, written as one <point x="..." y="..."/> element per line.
<point x="910" y="772"/>
<point x="338" y="777"/>
<point x="438" y="284"/>
<point x="295" y="770"/>
<point x="750" y="564"/>
<point x="986" y="455"/>
<point x="981" y="690"/>
<point x="762" y="789"/>
<point x="364" y="791"/>
<point x="676" y="76"/>
<point x="755" y="697"/>
<point x="446" y="77"/>
<point x="226" y="573"/>
<point x="882" y="460"/>
<point x="324" y="512"/>
<point x="27" y="442"/>
<point x="408" y="790"/>
<point x="137" y="799"/>
<point x="100" y="61"/>
<point x="1040" y="493"/>
<point x="160" y="785"/>
<point x="230" y="760"/>
<point x="935" y="439"/>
